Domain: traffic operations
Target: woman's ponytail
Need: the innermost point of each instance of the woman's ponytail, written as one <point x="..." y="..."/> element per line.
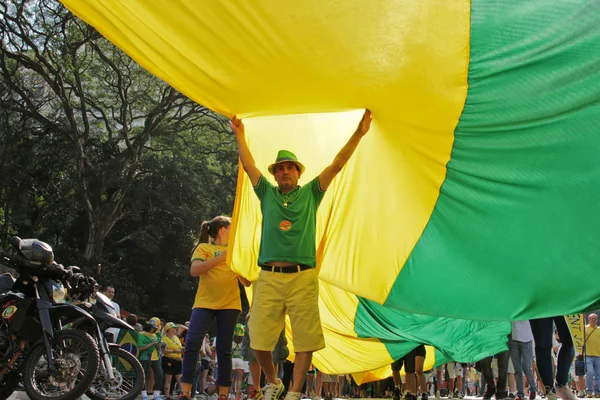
<point x="204" y="236"/>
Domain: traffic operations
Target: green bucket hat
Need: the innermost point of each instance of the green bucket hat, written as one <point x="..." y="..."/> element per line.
<point x="286" y="156"/>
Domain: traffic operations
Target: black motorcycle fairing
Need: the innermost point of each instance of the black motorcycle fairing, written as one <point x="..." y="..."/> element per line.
<point x="69" y="312"/>
<point x="104" y="311"/>
<point x="113" y="322"/>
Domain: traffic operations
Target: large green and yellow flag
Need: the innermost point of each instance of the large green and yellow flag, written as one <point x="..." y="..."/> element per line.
<point x="474" y="195"/>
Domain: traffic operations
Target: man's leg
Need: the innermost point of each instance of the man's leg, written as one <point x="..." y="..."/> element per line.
<point x="319" y="384"/>
<point x="302" y="289"/>
<point x="420" y="375"/>
<point x="516" y="358"/>
<point x="254" y="368"/>
<point x="265" y="360"/>
<point x="267" y="320"/>
<point x="410" y="384"/>
<point x="310" y="380"/>
<point x="597" y="375"/>
<point x="396" y="367"/>
<point x="502" y="375"/>
<point x="488" y="376"/>
<point x="301" y="366"/>
<point x="451" y="378"/>
<point x="420" y="354"/>
<point x="566" y="353"/>
<point x="589" y="375"/>
<point x="542" y="334"/>
<point x="526" y="350"/>
<point x="438" y="382"/>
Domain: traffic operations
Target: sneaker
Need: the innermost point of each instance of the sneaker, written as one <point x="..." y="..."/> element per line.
<point x="532" y="395"/>
<point x="565" y="393"/>
<point x="256" y="395"/>
<point x="271" y="391"/>
<point x="511" y="396"/>
<point x="293" y="396"/>
<point x="144" y="396"/>
<point x="437" y="395"/>
<point x="449" y="395"/>
<point x="458" y="395"/>
<point x="424" y="396"/>
<point x="396" y="394"/>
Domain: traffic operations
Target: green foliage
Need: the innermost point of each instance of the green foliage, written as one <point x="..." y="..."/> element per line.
<point x="104" y="161"/>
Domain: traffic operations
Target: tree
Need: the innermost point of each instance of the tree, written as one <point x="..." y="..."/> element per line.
<point x="77" y="92"/>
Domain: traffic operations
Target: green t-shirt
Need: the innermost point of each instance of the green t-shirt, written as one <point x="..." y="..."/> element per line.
<point x="288" y="233"/>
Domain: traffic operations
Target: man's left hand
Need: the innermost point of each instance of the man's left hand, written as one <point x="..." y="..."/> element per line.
<point x="365" y="123"/>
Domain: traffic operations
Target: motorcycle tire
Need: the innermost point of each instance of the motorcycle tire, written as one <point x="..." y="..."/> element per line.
<point x="125" y="366"/>
<point x="82" y="381"/>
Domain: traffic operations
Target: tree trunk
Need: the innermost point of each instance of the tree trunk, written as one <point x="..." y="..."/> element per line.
<point x="99" y="226"/>
<point x="94" y="243"/>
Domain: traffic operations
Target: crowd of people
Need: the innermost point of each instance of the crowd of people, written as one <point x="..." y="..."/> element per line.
<point x="247" y="358"/>
<point x="160" y="347"/>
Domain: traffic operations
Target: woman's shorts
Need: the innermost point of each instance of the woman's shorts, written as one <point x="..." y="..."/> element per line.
<point x="171" y="366"/>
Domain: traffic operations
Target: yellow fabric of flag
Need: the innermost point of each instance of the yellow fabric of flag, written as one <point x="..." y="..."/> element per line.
<point x="297" y="72"/>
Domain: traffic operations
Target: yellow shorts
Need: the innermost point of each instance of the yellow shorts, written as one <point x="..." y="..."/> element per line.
<point x="295" y="293"/>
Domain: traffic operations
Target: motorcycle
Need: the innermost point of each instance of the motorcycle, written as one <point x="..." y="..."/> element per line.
<point x="120" y="376"/>
<point x="53" y="363"/>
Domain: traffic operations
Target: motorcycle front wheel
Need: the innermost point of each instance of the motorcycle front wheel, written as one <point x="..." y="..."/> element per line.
<point x="76" y="361"/>
<point x="128" y="379"/>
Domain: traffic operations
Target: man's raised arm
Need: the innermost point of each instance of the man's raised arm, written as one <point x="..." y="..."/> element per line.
<point x="245" y="156"/>
<point x="344" y="155"/>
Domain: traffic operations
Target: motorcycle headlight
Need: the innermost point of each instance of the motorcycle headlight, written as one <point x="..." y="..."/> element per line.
<point x="59" y="293"/>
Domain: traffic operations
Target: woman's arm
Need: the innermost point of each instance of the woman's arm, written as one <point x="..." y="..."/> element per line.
<point x="199" y="267"/>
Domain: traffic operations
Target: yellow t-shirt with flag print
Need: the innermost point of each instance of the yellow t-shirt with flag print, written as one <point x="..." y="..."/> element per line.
<point x="172" y="344"/>
<point x="218" y="287"/>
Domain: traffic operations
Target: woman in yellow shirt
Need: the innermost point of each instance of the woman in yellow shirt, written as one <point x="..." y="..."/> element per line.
<point x="217" y="297"/>
<point x="172" y="355"/>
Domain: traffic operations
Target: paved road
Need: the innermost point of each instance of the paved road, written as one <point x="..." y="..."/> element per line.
<point x="23" y="396"/>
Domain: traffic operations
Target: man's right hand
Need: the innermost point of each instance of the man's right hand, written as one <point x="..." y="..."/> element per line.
<point x="245" y="156"/>
<point x="237" y="126"/>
